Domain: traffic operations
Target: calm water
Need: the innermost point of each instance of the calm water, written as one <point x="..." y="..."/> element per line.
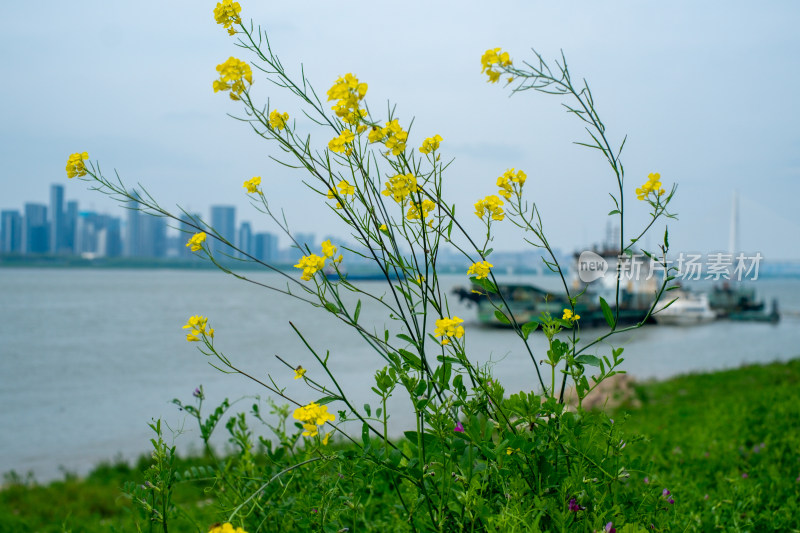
<point x="88" y="357"/>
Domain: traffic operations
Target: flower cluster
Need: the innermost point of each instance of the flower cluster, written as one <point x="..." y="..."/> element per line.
<point x="392" y="136"/>
<point x="233" y="73"/>
<point x="480" y="270"/>
<point x="420" y="211"/>
<point x="313" y="415"/>
<point x="278" y="120"/>
<point x="449" y="327"/>
<point x="311" y="264"/>
<point x="400" y="186"/>
<point x="493" y="57"/>
<point x="508" y="179"/>
<point x="339" y="144"/>
<point x="569" y="315"/>
<point x="252" y="184"/>
<point x="75" y="166"/>
<point x="653" y="184"/>
<point x="348" y="92"/>
<point x="227" y="14"/>
<point x="430" y="144"/>
<point x="226" y="527"/>
<point x="299" y="372"/>
<point x="198" y="326"/>
<point x="345" y="189"/>
<point x="196" y="241"/>
<point x="491" y="206"/>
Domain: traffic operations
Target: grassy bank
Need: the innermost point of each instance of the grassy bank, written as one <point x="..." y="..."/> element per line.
<point x="725" y="445"/>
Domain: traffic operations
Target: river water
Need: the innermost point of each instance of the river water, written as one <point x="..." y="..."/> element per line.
<point x="89" y="357"/>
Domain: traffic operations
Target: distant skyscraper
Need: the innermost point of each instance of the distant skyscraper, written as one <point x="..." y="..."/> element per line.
<point x="152" y="236"/>
<point x="186" y="232"/>
<point x="10" y="232"/>
<point x="70" y="225"/>
<point x="265" y="247"/>
<point x="56" y="221"/>
<point x="245" y="241"/>
<point x="35" y="230"/>
<point x="223" y="220"/>
<point x="133" y="230"/>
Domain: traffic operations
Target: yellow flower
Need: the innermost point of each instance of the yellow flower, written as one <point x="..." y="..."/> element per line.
<point x="493" y="76"/>
<point x="491" y="205"/>
<point x="313" y="415"/>
<point x="199" y="328"/>
<point x="252" y="184"/>
<point x="328" y="249"/>
<point x="326" y="438"/>
<point x="345" y="188"/>
<point x="376" y="134"/>
<point x="299" y="372"/>
<point x="226" y="528"/>
<point x="278" y="120"/>
<point x="420" y="211"/>
<point x="400" y="186"/>
<point x="568" y="315"/>
<point x="233" y="75"/>
<point x="338" y="144"/>
<point x="449" y="327"/>
<point x="310" y="264"/>
<point x="653" y="184"/>
<point x="511" y="450"/>
<point x="508" y="179"/>
<point x="396" y="137"/>
<point x="430" y="144"/>
<point x="348" y="92"/>
<point x="480" y="269"/>
<point x="75" y="166"/>
<point x="227" y="13"/>
<point x="383" y="227"/>
<point x="196" y="241"/>
<point x="492" y="57"/>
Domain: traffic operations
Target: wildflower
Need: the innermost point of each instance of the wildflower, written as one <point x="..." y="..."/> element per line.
<point x="278" y="120"/>
<point x="313" y="415"/>
<point x="397" y="143"/>
<point x="328" y="249"/>
<point x="326" y="438"/>
<point x="745" y="475"/>
<point x="252" y="184"/>
<point x="459" y="427"/>
<point x="233" y="74"/>
<point x="653" y="184"/>
<point x="511" y="450"/>
<point x="198" y="393"/>
<point x="400" y="186"/>
<point x="493" y="57"/>
<point x="430" y="144"/>
<point x="574" y="507"/>
<point x="383" y="227"/>
<point x="75" y="166"/>
<point x="610" y="528"/>
<point x="345" y="188"/>
<point x="338" y="144"/>
<point x="491" y="205"/>
<point x="376" y="134"/>
<point x="646" y="480"/>
<point x="227" y="14"/>
<point x="420" y="211"/>
<point x="310" y="264"/>
<point x="449" y="327"/>
<point x="665" y="492"/>
<point x="226" y="528"/>
<point x="199" y="328"/>
<point x="348" y="92"/>
<point x="569" y="315"/>
<point x="508" y="179"/>
<point x="299" y="372"/>
<point x="480" y="269"/>
<point x="196" y="241"/>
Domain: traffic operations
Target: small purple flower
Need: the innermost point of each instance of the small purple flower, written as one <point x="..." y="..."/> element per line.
<point x="705" y="497"/>
<point x="574" y="507"/>
<point x="610" y="528"/>
<point x="671" y="501"/>
<point x="744" y="475"/>
<point x="612" y="422"/>
<point x="459" y="427"/>
<point x="197" y="393"/>
<point x="646" y="480"/>
<point x="314" y="511"/>
<point x="665" y="492"/>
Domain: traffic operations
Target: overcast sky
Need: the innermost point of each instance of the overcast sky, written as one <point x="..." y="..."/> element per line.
<point x="706" y="91"/>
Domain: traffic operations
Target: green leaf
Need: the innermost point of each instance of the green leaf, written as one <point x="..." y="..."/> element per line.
<point x="666" y="238"/>
<point x="529" y="328"/>
<point x="331" y="307"/>
<point x="487" y="252"/>
<point x="365" y="434"/>
<point x="501" y="317"/>
<point x="404" y="337"/>
<point x="589" y="360"/>
<point x="485" y="284"/>
<point x="607" y="314"/>
<point x="357" y="312"/>
<point x="614" y="212"/>
<point x="411" y="359"/>
<point x="327" y="399"/>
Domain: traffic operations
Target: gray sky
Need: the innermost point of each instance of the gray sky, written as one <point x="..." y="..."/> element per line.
<point x="707" y="93"/>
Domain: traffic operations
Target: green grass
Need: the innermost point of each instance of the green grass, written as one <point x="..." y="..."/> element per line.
<point x="726" y="445"/>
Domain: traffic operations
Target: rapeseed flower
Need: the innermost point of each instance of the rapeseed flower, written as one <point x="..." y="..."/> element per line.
<point x="345" y="189"/>
<point x="449" y="327"/>
<point x="226" y="13"/>
<point x="493" y="57"/>
<point x="196" y="241"/>
<point x="233" y="75"/>
<point x="310" y="265"/>
<point x="569" y="315"/>
<point x="491" y="206"/>
<point x="430" y="144"/>
<point x="199" y="328"/>
<point x="75" y="165"/>
<point x="328" y="249"/>
<point x="278" y="120"/>
<point x="299" y="372"/>
<point x="339" y="144"/>
<point x="508" y="179"/>
<point x="313" y="415"/>
<point x="480" y="269"/>
<point x="252" y="184"/>
<point x="420" y="211"/>
<point x="653" y="184"/>
<point x="226" y="528"/>
<point x="348" y="92"/>
<point x="400" y="186"/>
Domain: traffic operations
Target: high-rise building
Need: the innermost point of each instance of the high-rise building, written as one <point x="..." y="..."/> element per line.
<point x="186" y="232"/>
<point x="152" y="236"/>
<point x="56" y="221"/>
<point x="133" y="230"/>
<point x="35" y="230"/>
<point x="70" y="226"/>
<point x="265" y="247"/>
<point x="10" y="232"/>
<point x="245" y="240"/>
<point x="223" y="220"/>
